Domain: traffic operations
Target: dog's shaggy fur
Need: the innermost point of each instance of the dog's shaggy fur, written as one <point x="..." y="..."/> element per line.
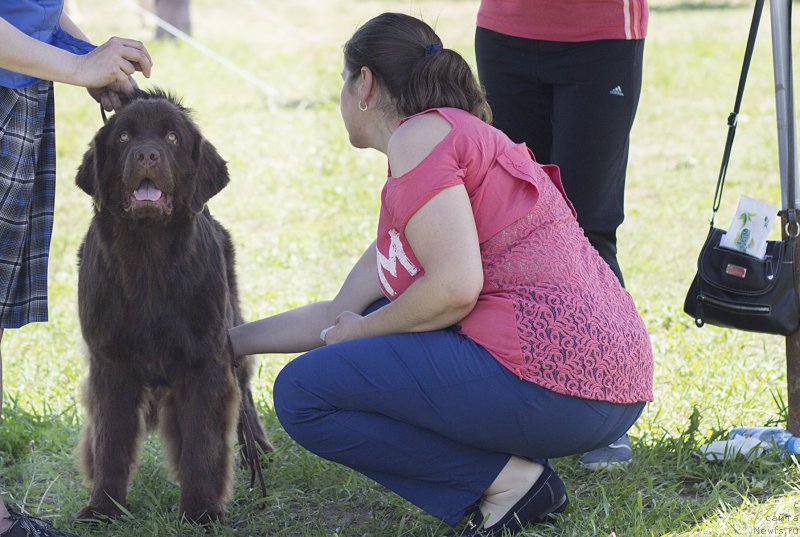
<point x="156" y="294"/>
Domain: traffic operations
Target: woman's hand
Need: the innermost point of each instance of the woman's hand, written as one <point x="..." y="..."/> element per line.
<point x="347" y="326"/>
<point x="111" y="96"/>
<point x="106" y="71"/>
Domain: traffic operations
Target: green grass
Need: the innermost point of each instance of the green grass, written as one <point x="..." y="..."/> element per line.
<point x="302" y="205"/>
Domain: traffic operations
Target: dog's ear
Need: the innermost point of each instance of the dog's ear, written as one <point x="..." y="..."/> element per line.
<point x="88" y="176"/>
<point x="211" y="174"/>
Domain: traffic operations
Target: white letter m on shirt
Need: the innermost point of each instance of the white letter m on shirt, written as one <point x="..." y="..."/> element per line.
<point x="396" y="253"/>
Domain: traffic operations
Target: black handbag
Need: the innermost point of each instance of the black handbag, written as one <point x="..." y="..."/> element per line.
<point x="735" y="290"/>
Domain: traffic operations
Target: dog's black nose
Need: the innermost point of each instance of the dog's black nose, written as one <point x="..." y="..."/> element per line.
<point x="147" y="157"/>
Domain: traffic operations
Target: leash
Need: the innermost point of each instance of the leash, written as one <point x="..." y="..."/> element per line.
<point x="251" y="450"/>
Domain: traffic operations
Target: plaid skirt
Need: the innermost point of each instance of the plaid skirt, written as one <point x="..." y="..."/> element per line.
<point x="27" y="198"/>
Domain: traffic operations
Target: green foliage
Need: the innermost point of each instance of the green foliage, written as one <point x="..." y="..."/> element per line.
<point x="22" y="431"/>
<point x="301" y="207"/>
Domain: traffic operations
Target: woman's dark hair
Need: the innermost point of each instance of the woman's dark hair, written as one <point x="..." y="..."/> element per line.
<point x="407" y="59"/>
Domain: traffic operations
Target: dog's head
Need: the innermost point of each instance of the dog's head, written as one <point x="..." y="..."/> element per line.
<point x="150" y="161"/>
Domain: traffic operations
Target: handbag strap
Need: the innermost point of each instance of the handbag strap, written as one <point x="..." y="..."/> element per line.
<point x="792" y="227"/>
<point x="733" y="117"/>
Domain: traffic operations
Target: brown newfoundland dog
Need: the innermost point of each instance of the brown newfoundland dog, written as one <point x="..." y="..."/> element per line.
<point x="156" y="295"/>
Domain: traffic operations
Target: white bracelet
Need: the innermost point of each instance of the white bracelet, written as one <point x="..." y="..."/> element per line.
<point x="324" y="332"/>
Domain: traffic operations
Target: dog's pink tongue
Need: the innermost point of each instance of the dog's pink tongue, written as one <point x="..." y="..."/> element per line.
<point x="147" y="191"/>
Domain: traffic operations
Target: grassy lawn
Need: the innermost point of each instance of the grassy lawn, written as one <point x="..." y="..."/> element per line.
<point x="301" y="206"/>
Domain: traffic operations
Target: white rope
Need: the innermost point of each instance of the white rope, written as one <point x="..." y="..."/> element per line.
<point x="183" y="36"/>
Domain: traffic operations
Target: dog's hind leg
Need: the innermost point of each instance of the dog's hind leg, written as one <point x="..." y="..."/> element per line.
<point x="110" y="438"/>
<point x="206" y="408"/>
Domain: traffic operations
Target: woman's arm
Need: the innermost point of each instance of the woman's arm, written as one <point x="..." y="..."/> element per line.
<point x="23" y="54"/>
<point x="443" y="236"/>
<point x="444" y="239"/>
<point x="299" y="329"/>
<point x="109" y="95"/>
<point x="110" y="65"/>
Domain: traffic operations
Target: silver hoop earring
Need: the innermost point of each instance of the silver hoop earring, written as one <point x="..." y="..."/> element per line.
<point x="364" y="109"/>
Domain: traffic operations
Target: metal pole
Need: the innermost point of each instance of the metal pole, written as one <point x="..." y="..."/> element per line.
<point x="780" y="17"/>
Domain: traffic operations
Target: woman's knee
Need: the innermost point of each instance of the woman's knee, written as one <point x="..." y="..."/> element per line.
<point x="286" y="395"/>
<point x="295" y="398"/>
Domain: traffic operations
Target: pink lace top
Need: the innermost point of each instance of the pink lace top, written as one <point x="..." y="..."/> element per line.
<point x="550" y="309"/>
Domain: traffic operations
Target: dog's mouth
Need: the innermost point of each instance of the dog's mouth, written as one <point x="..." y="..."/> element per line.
<point x="148" y="200"/>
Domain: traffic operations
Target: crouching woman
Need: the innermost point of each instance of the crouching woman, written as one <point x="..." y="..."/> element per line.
<point x="480" y="335"/>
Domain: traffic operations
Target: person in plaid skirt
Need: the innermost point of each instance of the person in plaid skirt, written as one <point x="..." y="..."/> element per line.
<point x="42" y="45"/>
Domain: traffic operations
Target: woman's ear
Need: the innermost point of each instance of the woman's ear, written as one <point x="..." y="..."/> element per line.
<point x="366" y="84"/>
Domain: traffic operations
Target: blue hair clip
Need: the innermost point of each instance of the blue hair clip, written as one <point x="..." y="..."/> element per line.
<point x="430" y="50"/>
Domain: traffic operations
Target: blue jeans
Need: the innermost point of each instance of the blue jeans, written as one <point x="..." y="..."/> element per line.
<point x="433" y="416"/>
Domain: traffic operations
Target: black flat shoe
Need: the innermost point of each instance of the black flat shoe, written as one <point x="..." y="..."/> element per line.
<point x="546" y="497"/>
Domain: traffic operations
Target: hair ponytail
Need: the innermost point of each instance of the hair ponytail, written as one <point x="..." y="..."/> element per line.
<point x="407" y="59"/>
<point x="443" y="79"/>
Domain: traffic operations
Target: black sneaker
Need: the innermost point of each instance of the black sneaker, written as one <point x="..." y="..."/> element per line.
<point x="24" y="525"/>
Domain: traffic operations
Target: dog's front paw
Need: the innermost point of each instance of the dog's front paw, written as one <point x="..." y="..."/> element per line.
<point x="202" y="517"/>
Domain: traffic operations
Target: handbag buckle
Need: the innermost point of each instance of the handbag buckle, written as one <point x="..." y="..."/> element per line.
<point x="792" y="229"/>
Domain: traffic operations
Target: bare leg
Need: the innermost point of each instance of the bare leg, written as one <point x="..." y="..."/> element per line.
<point x="1" y="377"/>
<point x="4" y="522"/>
<point x="175" y="12"/>
<point x="511" y="484"/>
